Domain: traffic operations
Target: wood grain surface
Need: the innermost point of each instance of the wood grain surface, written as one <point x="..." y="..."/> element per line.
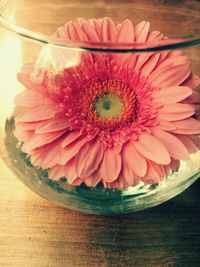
<point x="37" y="233"/>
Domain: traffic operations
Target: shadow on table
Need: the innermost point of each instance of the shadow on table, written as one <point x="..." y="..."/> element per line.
<point x="167" y="235"/>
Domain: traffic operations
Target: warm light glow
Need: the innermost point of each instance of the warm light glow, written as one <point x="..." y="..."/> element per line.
<point x="10" y="63"/>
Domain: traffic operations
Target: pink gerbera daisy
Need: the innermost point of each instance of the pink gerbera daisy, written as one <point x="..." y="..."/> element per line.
<point x="116" y="119"/>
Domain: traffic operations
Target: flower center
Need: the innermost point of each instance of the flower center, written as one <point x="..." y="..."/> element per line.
<point x="108" y="106"/>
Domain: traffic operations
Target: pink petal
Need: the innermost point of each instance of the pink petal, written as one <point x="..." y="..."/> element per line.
<point x="125" y="32"/>
<point x="142" y="59"/>
<point x="170" y="76"/>
<point x="96" y="24"/>
<point x="111" y="165"/>
<point x="194" y="98"/>
<point x="56" y="172"/>
<point x="68" y="171"/>
<point x="134" y="160"/>
<point x="196" y="140"/>
<point x="175" y="147"/>
<point x="78" y="28"/>
<point x="92" y="180"/>
<point x="172" y="94"/>
<point x="53" y="125"/>
<point x="30" y="98"/>
<point x="72" y="31"/>
<point x="108" y="30"/>
<point x="128" y="175"/>
<point x="191" y="147"/>
<point x="77" y="182"/>
<point x="119" y="184"/>
<point x="151" y="148"/>
<point x="175" y="164"/>
<point x="29" y="125"/>
<point x="88" y="158"/>
<point x="22" y="135"/>
<point x="154" y="174"/>
<point x="141" y="31"/>
<point x="155" y="36"/>
<point x="25" y="77"/>
<point x="166" y="126"/>
<point x="38" y="113"/>
<point x="61" y="33"/>
<point x="71" y="137"/>
<point x="187" y="126"/>
<point x="90" y="32"/>
<point x="192" y="81"/>
<point x="51" y="155"/>
<point x="174" y="58"/>
<point x="72" y="149"/>
<point x="150" y="64"/>
<point x="175" y="112"/>
<point x="38" y="140"/>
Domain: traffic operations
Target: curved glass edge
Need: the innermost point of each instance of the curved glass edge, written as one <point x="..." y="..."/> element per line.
<point x="167" y="44"/>
<point x="98" y="200"/>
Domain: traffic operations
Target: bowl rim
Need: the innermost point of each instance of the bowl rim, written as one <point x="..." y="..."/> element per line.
<point x="36" y="37"/>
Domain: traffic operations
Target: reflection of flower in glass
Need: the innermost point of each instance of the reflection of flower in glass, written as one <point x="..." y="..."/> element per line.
<point x="118" y="119"/>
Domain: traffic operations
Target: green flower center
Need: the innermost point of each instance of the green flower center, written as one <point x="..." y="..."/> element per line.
<point x="108" y="106"/>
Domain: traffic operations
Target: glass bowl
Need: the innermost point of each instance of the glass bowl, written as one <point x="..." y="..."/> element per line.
<point x="101" y="114"/>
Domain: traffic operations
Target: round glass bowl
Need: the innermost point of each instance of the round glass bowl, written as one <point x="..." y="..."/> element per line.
<point x="101" y="114"/>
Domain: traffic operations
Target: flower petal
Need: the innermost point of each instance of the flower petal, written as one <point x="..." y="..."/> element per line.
<point x="155" y="36"/>
<point x="22" y="135"/>
<point x="194" y="98"/>
<point x="125" y="32"/>
<point x="37" y="113"/>
<point x="88" y="158"/>
<point x="111" y="165"/>
<point x="77" y="182"/>
<point x="151" y="63"/>
<point x="19" y="126"/>
<point x="187" y="126"/>
<point x="141" y="31"/>
<point x="166" y="126"/>
<point x="30" y="98"/>
<point x="174" y="165"/>
<point x="56" y="172"/>
<point x="92" y="180"/>
<point x="72" y="149"/>
<point x="68" y="171"/>
<point x="170" y="76"/>
<point x="72" y="31"/>
<point x="38" y="140"/>
<point x="154" y="174"/>
<point x="191" y="147"/>
<point x="175" y="147"/>
<point x="172" y="94"/>
<point x="96" y="24"/>
<point x="151" y="148"/>
<point x="193" y="81"/>
<point x="90" y="32"/>
<point x="53" y="125"/>
<point x="108" y="30"/>
<point x="175" y="112"/>
<point x="134" y="161"/>
<point x="26" y="78"/>
<point x="71" y="137"/>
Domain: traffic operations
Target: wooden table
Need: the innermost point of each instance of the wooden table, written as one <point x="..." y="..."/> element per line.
<point x="37" y="233"/>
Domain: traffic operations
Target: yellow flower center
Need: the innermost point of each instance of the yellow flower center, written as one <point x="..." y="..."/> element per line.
<point x="109" y="106"/>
